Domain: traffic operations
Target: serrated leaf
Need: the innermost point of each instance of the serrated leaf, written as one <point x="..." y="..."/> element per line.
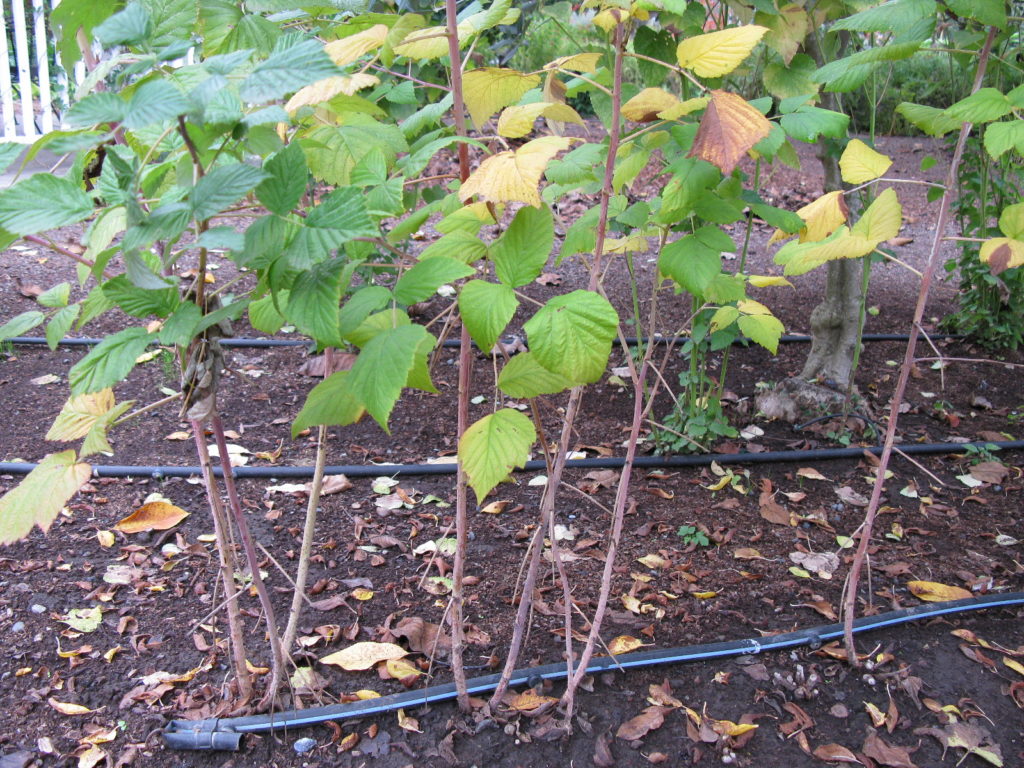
<point x="364" y="655"/>
<point x="513" y="176"/>
<point x="348" y="49"/>
<point x="152" y="516"/>
<point x="765" y="330"/>
<point x="222" y="187"/>
<point x="516" y="122"/>
<point x="295" y="61"/>
<point x="313" y="302"/>
<point x="421" y="281"/>
<point x="786" y="30"/>
<point x="718" y="53"/>
<point x="331" y="402"/>
<point x="109" y="362"/>
<point x="384" y="366"/>
<point x="808" y="123"/>
<point x="882" y="219"/>
<point x="486" y="309"/>
<point x="488" y="89"/>
<point x="931" y="120"/>
<point x="524" y="377"/>
<point x="1002" y="253"/>
<point x="799" y="258"/>
<point x="572" y="334"/>
<point x="79" y="414"/>
<point x="60" y="323"/>
<point x="860" y="163"/>
<point x="1011" y="221"/>
<point x="459" y="244"/>
<point x="493" y="446"/>
<point x="155" y="101"/>
<point x="522" y="251"/>
<point x="890" y="52"/>
<point x="19" y="324"/>
<point x="42" y="202"/>
<point x="822" y="217"/>
<point x="982" y="106"/>
<point x="895" y="16"/>
<point x="38" y="499"/>
<point x="285" y="181"/>
<point x="729" y="128"/>
<point x="648" y="105"/>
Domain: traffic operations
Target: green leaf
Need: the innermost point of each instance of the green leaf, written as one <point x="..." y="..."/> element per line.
<point x="377" y="323"/>
<point x="990" y="13"/>
<point x="461" y="245"/>
<point x="155" y="101"/>
<point x="173" y="20"/>
<point x="39" y="498"/>
<point x="522" y="251"/>
<point x="784" y="82"/>
<point x="313" y="302"/>
<point x="524" y="377"/>
<point x="102" y="107"/>
<point x="1002" y="137"/>
<point x="897" y="16"/>
<point x="60" y="324"/>
<point x="57" y="296"/>
<point x="765" y="330"/>
<point x="141" y="302"/>
<point x="96" y="439"/>
<point x="340" y="217"/>
<point x="226" y="29"/>
<point x="20" y="324"/>
<point x="383" y="367"/>
<point x="359" y="306"/>
<point x="109" y="362"/>
<point x="222" y="187"/>
<point x="180" y="327"/>
<point x="331" y="402"/>
<point x="333" y="151"/>
<point x="660" y="45"/>
<point x="890" y="52"/>
<point x="263" y="314"/>
<point x="486" y="309"/>
<point x="572" y="334"/>
<point x="423" y="280"/>
<point x="9" y="152"/>
<point x="295" y="61"/>
<point x="932" y="121"/>
<point x="72" y="15"/>
<point x="131" y="26"/>
<point x="42" y="202"/>
<point x="691" y="264"/>
<point x="1011" y="221"/>
<point x="493" y="447"/>
<point x="808" y="123"/>
<point x="982" y="106"/>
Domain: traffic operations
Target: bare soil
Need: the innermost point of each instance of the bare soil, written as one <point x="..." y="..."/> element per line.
<point x="160" y="605"/>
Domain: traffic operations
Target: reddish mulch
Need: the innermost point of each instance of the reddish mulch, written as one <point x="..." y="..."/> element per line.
<point x="933" y="527"/>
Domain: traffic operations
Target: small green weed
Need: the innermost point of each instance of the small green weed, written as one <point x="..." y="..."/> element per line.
<point x="690" y="534"/>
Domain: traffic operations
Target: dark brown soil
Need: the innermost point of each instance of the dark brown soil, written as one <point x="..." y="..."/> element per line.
<point x="933" y="527"/>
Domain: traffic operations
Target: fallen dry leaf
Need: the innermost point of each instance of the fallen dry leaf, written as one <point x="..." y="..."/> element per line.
<point x="364" y="655"/>
<point x="835" y="753"/>
<point x="636" y="728"/>
<point x="933" y="592"/>
<point x="529" y="701"/>
<point x="624" y="644"/>
<point x="66" y="708"/>
<point x="154" y="516"/>
<point x="886" y="754"/>
<point x="771" y="510"/>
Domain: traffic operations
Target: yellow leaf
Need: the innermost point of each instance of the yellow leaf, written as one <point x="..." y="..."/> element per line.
<point x="685" y="108"/>
<point x="361" y="593"/>
<point x="933" y="592"/>
<point x="628" y="244"/>
<point x="66" y="708"/>
<point x="105" y="538"/>
<point x="1002" y="253"/>
<point x="655" y="562"/>
<point x="729" y="728"/>
<point x="860" y="163"/>
<point x="516" y="122"/>
<point x="514" y="175"/>
<point x="719" y="53"/>
<point x="178" y="436"/>
<point x="823" y="216"/>
<point x="705" y="595"/>
<point x="109" y="655"/>
<point x="764" y="281"/>
<point x="328" y="88"/>
<point x="100" y="737"/>
<point x="364" y="655"/>
<point x="426" y="43"/>
<point x="83" y="619"/>
<point x="79" y="414"/>
<point x="350" y="48"/>
<point x="527" y="701"/>
<point x="751" y="307"/>
<point x="407" y="723"/>
<point x="400" y="669"/>
<point x="154" y="516"/>
<point x="631" y="603"/>
<point x="38" y="499"/>
<point x="646" y="105"/>
<point x="1013" y="664"/>
<point x="877" y="715"/>
<point x="624" y="644"/>
<point x="747" y="553"/>
<point x="364" y="694"/>
<point x="488" y="89"/>
<point x="495" y="507"/>
<point x="882" y="219"/>
<point x="610" y="17"/>
<point x="786" y="31"/>
<point x="91" y="756"/>
<point x="728" y="129"/>
<point x="578" y="62"/>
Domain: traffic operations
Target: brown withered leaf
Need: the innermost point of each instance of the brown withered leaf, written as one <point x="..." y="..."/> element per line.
<point x="423" y="637"/>
<point x="603" y="755"/>
<point x="154" y="516"/>
<point x="886" y="754"/>
<point x="771" y="510"/>
<point x="636" y="728"/>
<point x="729" y="128"/>
<point x="835" y="753"/>
<point x="972" y="737"/>
<point x="989" y="472"/>
<point x="317" y="366"/>
<point x="801" y="720"/>
<point x="594" y="481"/>
<point x="824" y="607"/>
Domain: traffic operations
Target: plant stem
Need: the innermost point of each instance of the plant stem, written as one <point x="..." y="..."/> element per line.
<point x="47" y="243"/>
<point x="465" y="382"/>
<point x="850" y="597"/>
<point x="305" y="551"/>
<point x="226" y="561"/>
<point x="277" y="655"/>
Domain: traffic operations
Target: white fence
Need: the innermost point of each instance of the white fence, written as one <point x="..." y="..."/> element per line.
<point x="33" y="84"/>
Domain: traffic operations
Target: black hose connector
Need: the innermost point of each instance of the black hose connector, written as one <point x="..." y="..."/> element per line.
<point x="209" y="734"/>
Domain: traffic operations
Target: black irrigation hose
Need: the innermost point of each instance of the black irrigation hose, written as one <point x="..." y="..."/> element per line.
<point x="227" y="733"/>
<point x="609" y="462"/>
<point x="630" y="340"/>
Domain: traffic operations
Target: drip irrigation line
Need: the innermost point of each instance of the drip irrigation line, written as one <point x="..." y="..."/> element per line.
<point x="256" y="343"/>
<point x="607" y="462"/>
<point x="227" y="733"/>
